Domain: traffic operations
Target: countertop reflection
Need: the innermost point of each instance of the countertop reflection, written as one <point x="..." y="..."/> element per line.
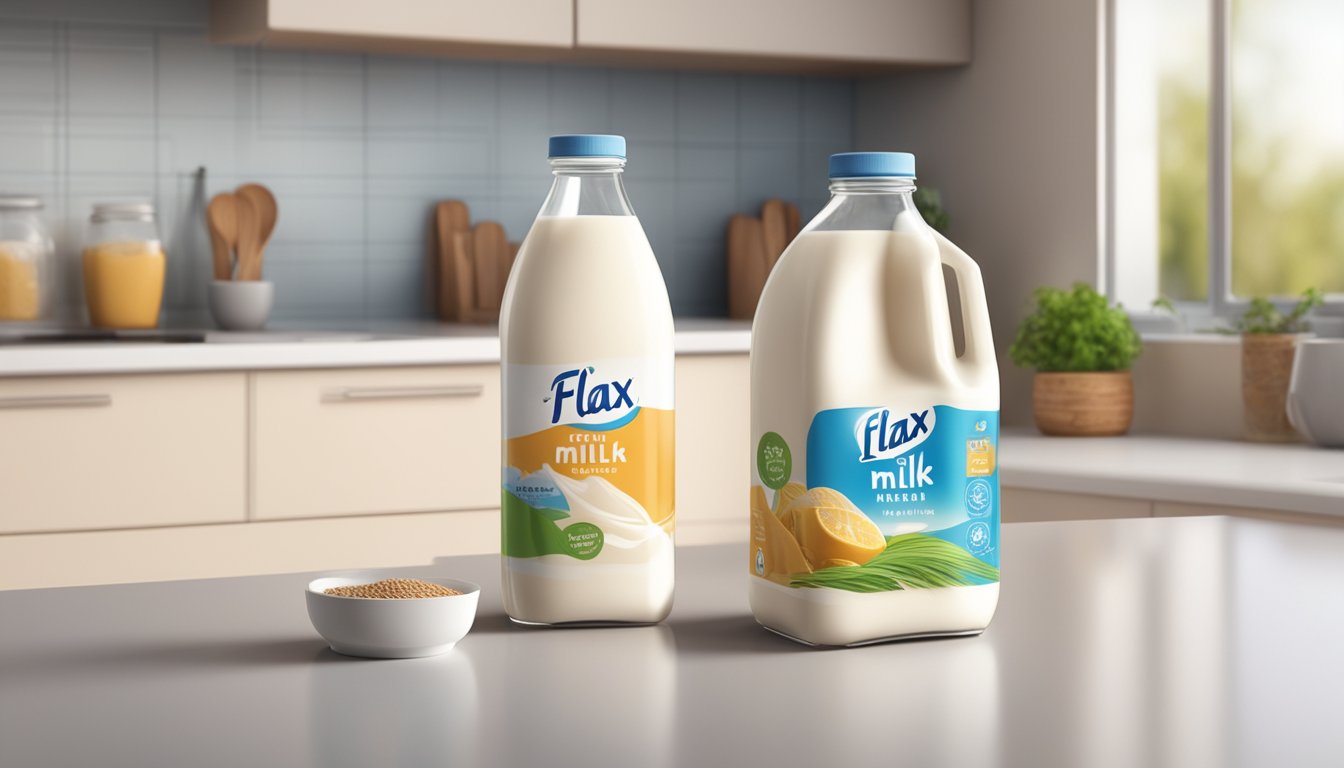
<point x="1179" y="641"/>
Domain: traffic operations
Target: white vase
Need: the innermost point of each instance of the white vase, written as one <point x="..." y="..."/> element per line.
<point x="1316" y="391"/>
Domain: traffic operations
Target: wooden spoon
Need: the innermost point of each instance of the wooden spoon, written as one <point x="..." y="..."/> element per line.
<point x="249" y="238"/>
<point x="221" y="216"/>
<point x="267" y="213"/>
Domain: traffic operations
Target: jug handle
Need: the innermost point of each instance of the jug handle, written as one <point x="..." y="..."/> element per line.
<point x="979" y="350"/>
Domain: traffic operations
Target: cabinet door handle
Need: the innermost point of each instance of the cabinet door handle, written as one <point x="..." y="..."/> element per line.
<point x="364" y="394"/>
<point x="54" y="401"/>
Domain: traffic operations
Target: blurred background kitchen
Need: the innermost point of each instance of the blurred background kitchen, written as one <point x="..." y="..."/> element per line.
<point x="320" y="388"/>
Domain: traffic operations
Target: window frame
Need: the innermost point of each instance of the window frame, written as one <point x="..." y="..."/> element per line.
<point x="1222" y="305"/>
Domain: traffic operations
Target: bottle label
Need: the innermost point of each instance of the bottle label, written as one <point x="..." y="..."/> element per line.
<point x="588" y="459"/>
<point x="882" y="499"/>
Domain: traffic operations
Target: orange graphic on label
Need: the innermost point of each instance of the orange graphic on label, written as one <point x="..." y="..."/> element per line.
<point x="636" y="457"/>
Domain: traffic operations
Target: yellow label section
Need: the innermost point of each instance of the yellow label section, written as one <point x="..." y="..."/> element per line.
<point x="637" y="458"/>
<point x="979" y="457"/>
<point x="774" y="553"/>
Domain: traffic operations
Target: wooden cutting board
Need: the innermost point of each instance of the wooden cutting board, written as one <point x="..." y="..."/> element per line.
<point x="507" y="267"/>
<point x="747" y="267"/>
<point x="490" y="255"/>
<point x="774" y="229"/>
<point x="450" y="217"/>
<point x="463" y="268"/>
<point x="793" y="223"/>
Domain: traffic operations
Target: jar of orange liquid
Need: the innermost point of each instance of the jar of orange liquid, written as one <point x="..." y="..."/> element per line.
<point x="25" y="259"/>
<point x="124" y="266"/>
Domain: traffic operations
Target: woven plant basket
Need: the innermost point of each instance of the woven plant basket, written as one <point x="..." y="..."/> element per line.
<point x="1266" y="369"/>
<point x="1083" y="404"/>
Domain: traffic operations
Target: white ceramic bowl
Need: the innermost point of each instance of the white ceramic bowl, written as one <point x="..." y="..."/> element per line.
<point x="1315" y="395"/>
<point x="391" y="629"/>
<point x="241" y="305"/>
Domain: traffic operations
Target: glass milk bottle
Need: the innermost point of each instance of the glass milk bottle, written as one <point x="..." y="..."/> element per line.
<point x="587" y="356"/>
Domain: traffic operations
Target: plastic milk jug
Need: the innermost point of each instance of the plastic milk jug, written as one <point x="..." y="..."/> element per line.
<point x="874" y="424"/>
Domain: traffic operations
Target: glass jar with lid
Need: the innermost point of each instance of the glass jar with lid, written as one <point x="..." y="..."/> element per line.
<point x="25" y="259"/>
<point x="124" y="266"/>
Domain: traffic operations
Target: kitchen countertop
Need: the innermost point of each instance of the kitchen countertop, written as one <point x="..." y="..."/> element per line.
<point x="1286" y="477"/>
<point x="344" y="345"/>
<point x="1176" y="641"/>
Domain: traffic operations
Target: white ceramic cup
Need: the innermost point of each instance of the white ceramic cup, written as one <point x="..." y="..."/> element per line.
<point x="241" y="305"/>
<point x="1316" y="391"/>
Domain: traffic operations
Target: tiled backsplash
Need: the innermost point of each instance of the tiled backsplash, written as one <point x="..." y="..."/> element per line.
<point x="357" y="148"/>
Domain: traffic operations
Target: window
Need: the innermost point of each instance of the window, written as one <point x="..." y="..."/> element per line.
<point x="1226" y="151"/>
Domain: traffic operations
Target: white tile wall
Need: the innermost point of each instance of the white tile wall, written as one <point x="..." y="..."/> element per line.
<point x="128" y="99"/>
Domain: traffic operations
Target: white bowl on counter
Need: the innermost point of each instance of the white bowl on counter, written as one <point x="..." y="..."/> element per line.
<point x="1316" y="392"/>
<point x="241" y="305"/>
<point x="381" y="628"/>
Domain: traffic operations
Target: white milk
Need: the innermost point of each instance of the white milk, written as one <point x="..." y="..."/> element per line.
<point x="587" y="345"/>
<point x="874" y="499"/>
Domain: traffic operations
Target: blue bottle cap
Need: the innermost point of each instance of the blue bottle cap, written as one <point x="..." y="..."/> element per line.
<point x="856" y="165"/>
<point x="587" y="145"/>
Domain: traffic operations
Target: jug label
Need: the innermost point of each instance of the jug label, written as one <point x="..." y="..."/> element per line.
<point x="879" y="499"/>
<point x="588" y="458"/>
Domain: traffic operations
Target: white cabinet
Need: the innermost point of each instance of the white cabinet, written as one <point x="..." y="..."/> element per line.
<point x="713" y="447"/>
<point x="786" y="35"/>
<point x="331" y="452"/>
<point x="163" y="476"/>
<point x="166" y="476"/>
<point x="1185" y="509"/>
<point x="854" y="32"/>
<point x="81" y="452"/>
<point x="372" y="441"/>
<point x="1027" y="505"/>
<point x="376" y="440"/>
<point x="506" y="28"/>
<point x="32" y="560"/>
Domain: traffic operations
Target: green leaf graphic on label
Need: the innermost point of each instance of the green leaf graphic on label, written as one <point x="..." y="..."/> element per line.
<point x="584" y="540"/>
<point x="531" y="532"/>
<point x="774" y="462"/>
<point x="910" y="561"/>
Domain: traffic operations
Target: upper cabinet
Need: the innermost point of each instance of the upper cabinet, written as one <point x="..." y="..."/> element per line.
<point x="792" y="34"/>
<point x="782" y="35"/>
<point x="522" y="29"/>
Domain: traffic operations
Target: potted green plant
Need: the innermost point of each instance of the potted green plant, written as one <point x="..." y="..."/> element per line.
<point x="929" y="203"/>
<point x="1081" y="349"/>
<point x="1268" y="343"/>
